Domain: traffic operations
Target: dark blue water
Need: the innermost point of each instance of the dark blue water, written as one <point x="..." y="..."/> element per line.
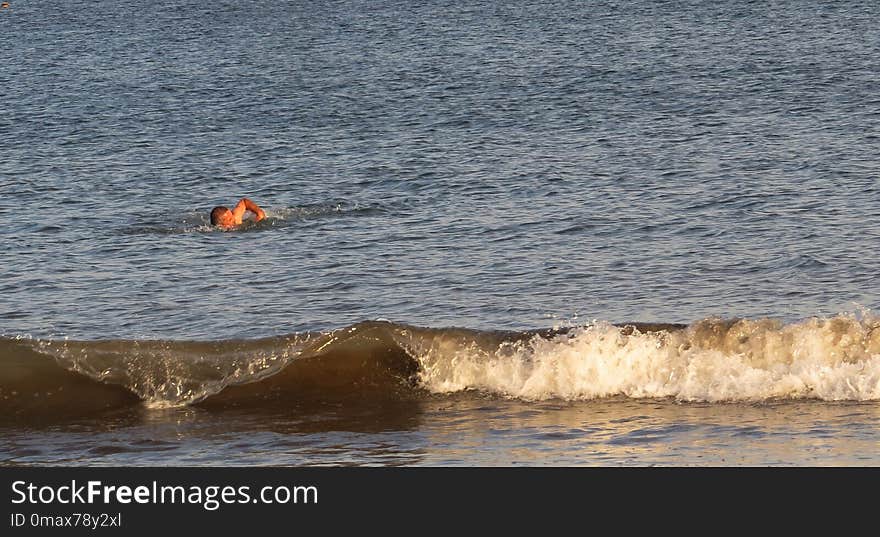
<point x="441" y="163"/>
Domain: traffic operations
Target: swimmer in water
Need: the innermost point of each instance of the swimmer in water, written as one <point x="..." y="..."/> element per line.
<point x="223" y="217"/>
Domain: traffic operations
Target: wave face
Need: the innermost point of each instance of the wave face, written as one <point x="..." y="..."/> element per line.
<point x="712" y="360"/>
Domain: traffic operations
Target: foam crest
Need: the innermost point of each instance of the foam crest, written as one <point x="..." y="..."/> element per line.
<point x="712" y="360"/>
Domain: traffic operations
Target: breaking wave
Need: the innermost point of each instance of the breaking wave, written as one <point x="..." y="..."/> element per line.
<point x="712" y="360"/>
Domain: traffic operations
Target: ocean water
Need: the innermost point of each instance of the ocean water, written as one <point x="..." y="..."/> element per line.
<point x="566" y="233"/>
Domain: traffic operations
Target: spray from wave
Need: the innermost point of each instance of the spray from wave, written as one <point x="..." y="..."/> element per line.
<point x="712" y="360"/>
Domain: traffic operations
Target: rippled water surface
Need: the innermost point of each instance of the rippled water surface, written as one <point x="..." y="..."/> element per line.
<point x="497" y="167"/>
<point x="470" y="432"/>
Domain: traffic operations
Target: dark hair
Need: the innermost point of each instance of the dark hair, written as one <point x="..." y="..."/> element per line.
<point x="216" y="212"/>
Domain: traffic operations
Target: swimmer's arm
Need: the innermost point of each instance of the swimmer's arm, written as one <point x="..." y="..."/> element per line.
<point x="253" y="207"/>
<point x="238" y="211"/>
<point x="245" y="204"/>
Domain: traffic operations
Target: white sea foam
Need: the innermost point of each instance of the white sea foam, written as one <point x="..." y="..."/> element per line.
<point x="712" y="360"/>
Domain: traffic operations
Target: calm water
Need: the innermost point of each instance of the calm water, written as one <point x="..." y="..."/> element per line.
<point x="498" y="168"/>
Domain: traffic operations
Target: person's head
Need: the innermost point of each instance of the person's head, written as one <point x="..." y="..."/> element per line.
<point x="222" y="216"/>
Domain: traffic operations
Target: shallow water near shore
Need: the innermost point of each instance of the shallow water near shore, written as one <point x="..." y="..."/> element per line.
<point x="467" y="431"/>
<point x="605" y="233"/>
